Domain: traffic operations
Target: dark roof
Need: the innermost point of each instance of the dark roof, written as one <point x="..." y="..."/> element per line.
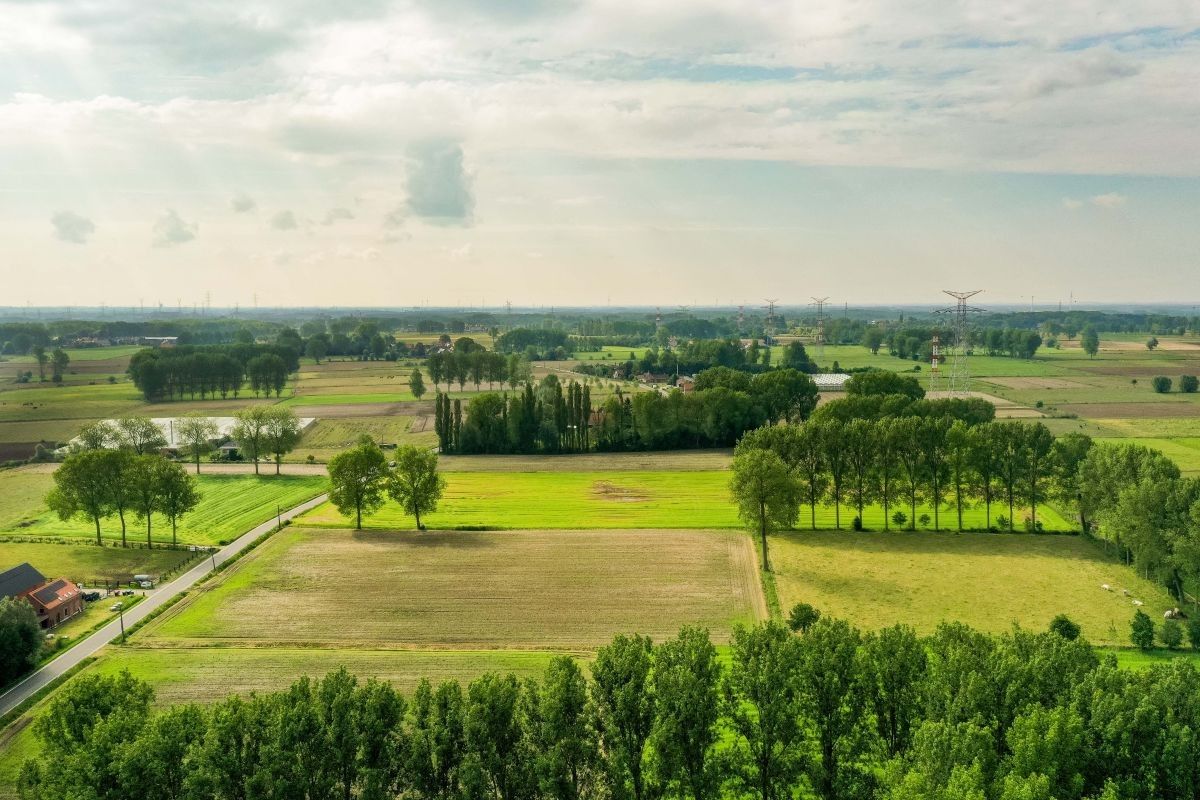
<point x="20" y="579"/>
<point x="56" y="590"/>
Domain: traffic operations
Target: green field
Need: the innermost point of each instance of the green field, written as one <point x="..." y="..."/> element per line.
<point x="81" y="562"/>
<point x="464" y="590"/>
<point x="989" y="581"/>
<point x="508" y="500"/>
<point x="229" y="506"/>
<point x="1138" y="659"/>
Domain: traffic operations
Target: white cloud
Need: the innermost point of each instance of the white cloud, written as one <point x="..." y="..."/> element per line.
<point x="1108" y="200"/>
<point x="1089" y="69"/>
<point x="171" y="230"/>
<point x="1071" y="203"/>
<point x="71" y="227"/>
<point x="242" y="202"/>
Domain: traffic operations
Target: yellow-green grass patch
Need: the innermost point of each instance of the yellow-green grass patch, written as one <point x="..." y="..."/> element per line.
<point x="612" y="499"/>
<point x="988" y="581"/>
<point x="229" y="506"/>
<point x="462" y="590"/>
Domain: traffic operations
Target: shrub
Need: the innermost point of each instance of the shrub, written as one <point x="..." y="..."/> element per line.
<point x="1189" y="384"/>
<point x="1193" y="632"/>
<point x="1064" y="627"/>
<point x="802" y="617"/>
<point x="924" y="519"/>
<point x="1001" y="522"/>
<point x="1171" y="633"/>
<point x="1152" y="343"/>
<point x="857" y="524"/>
<point x="1161" y="384"/>
<point x="1141" y="631"/>
<point x="900" y="518"/>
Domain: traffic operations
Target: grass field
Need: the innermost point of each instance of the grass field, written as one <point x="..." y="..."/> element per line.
<point x="645" y="499"/>
<point x="82" y="561"/>
<point x="229" y="506"/>
<point x="1138" y="659"/>
<point x="988" y="581"/>
<point x="523" y="590"/>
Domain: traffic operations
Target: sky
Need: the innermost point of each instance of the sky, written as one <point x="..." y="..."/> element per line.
<point x="582" y="152"/>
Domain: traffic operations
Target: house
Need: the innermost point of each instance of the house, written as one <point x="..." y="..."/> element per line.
<point x="53" y="601"/>
<point x="686" y="383"/>
<point x="654" y="377"/>
<point x="161" y="341"/>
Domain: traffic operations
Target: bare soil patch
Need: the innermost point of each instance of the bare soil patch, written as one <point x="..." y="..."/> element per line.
<point x="1132" y="410"/>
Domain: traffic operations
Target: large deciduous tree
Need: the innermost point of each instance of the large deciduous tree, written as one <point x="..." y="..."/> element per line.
<point x="82" y="488"/>
<point x="415" y="483"/>
<point x="250" y="429"/>
<point x="357" y="480"/>
<point x="196" y="433"/>
<point x="282" y="433"/>
<point x="766" y="494"/>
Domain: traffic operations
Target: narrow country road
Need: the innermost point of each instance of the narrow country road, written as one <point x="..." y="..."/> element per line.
<point x="111" y="630"/>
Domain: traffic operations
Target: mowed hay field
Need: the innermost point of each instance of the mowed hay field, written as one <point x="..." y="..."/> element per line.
<point x="85" y="562"/>
<point x="608" y="499"/>
<point x="988" y="581"/>
<point x="521" y="589"/>
<point x="229" y="506"/>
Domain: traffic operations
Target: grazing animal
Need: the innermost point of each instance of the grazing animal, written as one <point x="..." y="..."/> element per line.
<point x="1106" y="587"/>
<point x="1138" y="603"/>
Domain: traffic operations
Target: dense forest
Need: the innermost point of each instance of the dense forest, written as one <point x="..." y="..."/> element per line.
<point x="825" y="711"/>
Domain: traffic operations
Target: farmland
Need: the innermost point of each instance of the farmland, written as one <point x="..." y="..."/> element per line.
<point x="229" y="505"/>
<point x="528" y="589"/>
<point x="85" y="561"/>
<point x="989" y="581"/>
<point x="631" y="499"/>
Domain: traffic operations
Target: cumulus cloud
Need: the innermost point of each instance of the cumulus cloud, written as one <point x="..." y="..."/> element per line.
<point x="439" y="189"/>
<point x="284" y="221"/>
<point x="1108" y="200"/>
<point x="171" y="230"/>
<point x="71" y="227"/>
<point x="242" y="202"/>
<point x="337" y="214"/>
<point x="1071" y="203"/>
<point x="1089" y="69"/>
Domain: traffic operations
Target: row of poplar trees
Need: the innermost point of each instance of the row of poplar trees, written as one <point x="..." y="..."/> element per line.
<point x="829" y="713"/>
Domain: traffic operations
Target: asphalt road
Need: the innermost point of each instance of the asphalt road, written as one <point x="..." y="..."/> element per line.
<point x="112" y="630"/>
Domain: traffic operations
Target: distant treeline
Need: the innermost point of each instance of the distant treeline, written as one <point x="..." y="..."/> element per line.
<point x="832" y="713"/>
<point x="695" y="356"/>
<point x="212" y="371"/>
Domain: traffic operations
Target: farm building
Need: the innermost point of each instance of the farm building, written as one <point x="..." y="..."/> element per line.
<point x="161" y="341"/>
<point x="54" y="601"/>
<point x="686" y="383"/>
<point x="831" y="381"/>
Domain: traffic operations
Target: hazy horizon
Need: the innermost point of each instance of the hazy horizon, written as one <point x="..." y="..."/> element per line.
<point x="593" y="152"/>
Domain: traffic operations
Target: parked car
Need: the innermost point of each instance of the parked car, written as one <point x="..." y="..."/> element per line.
<point x="146" y="584"/>
<point x="91" y="597"/>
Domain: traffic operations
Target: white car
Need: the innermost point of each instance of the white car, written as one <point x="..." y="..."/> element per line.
<point x="146" y="585"/>
<point x="116" y="606"/>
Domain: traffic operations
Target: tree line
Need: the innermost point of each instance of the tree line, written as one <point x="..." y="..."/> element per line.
<point x="827" y="712"/>
<point x="469" y="362"/>
<point x="95" y="484"/>
<point x="212" y="371"/>
<point x="550" y="418"/>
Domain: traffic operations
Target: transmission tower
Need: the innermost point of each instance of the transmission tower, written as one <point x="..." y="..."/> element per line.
<point x="770" y="327"/>
<point x="935" y="362"/>
<point x="959" y="379"/>
<point x="820" y="302"/>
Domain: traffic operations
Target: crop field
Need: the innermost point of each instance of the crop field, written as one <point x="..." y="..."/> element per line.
<point x="612" y="353"/>
<point x="466" y="590"/>
<point x="988" y="581"/>
<point x="205" y="674"/>
<point x="82" y="562"/>
<point x="644" y="499"/>
<point x="229" y="506"/>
